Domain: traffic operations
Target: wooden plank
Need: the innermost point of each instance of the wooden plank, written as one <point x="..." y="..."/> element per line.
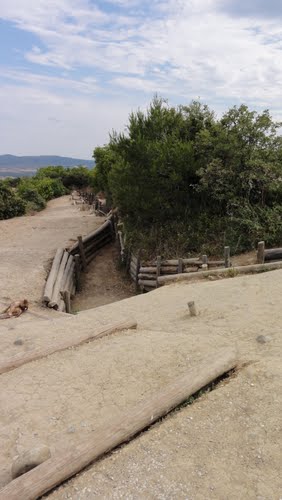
<point x="150" y="283"/>
<point x="82" y="253"/>
<point x="53" y="275"/>
<point x="134" y="259"/>
<point x="120" y="429"/>
<point x="272" y="254"/>
<point x="180" y="266"/>
<point x="106" y="227"/>
<point x="260" y="252"/>
<point x="231" y="271"/>
<point x="60" y="344"/>
<point x="142" y="276"/>
<point x="56" y="295"/>
<point x="174" y="262"/>
<point x="68" y="271"/>
<point x="227" y="256"/>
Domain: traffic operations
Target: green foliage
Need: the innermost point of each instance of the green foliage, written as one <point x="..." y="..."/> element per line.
<point x="76" y="177"/>
<point x="184" y="180"/>
<point x="10" y="204"/>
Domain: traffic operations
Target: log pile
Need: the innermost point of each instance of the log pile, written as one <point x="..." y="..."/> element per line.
<point x="149" y="274"/>
<point x="61" y="279"/>
<point x="64" y="276"/>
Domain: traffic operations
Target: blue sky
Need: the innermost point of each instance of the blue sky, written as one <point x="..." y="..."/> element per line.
<point x="72" y="70"/>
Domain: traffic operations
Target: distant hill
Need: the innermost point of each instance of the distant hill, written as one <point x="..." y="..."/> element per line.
<point x="17" y="166"/>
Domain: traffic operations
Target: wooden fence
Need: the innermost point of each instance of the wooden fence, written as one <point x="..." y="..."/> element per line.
<point x="267" y="255"/>
<point x="65" y="275"/>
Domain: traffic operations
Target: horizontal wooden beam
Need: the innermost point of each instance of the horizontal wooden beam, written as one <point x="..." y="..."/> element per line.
<point x="60" y="344"/>
<point x="120" y="429"/>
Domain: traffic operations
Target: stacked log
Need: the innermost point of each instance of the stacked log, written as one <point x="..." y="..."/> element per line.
<point x="61" y="279"/>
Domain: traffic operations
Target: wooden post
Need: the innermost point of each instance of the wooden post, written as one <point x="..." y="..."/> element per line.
<point x="226" y="256"/>
<point x="205" y="262"/>
<point x="67" y="301"/>
<point x="82" y="253"/>
<point x="260" y="252"/>
<point x="109" y="435"/>
<point x="180" y="266"/>
<point x="158" y="270"/>
<point x="192" y="308"/>
<point x="137" y="268"/>
<point x="77" y="272"/>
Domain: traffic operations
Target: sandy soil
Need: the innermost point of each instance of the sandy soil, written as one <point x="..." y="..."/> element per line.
<point x="29" y="243"/>
<point x="104" y="281"/>
<point x="226" y="445"/>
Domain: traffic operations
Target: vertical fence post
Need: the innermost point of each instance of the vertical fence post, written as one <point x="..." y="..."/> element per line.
<point x="67" y="301"/>
<point x="226" y="256"/>
<point x="260" y="252"/>
<point x="82" y="253"/>
<point x="137" y="268"/>
<point x="180" y="266"/>
<point x="77" y="272"/>
<point x="158" y="272"/>
<point x="204" y="262"/>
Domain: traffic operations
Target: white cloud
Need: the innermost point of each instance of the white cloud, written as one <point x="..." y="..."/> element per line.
<point x="181" y="49"/>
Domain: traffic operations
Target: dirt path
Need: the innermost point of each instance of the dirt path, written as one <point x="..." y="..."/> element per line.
<point x="29" y="243"/>
<point x="104" y="281"/>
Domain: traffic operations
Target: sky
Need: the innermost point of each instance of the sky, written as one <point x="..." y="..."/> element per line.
<point x="72" y="70"/>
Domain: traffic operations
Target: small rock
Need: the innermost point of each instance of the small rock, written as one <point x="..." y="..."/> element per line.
<point x="71" y="429"/>
<point x="18" y="342"/>
<point x="262" y="339"/>
<point x="29" y="459"/>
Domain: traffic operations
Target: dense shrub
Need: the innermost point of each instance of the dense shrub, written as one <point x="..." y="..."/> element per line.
<point x="183" y="178"/>
<point x="10" y="204"/>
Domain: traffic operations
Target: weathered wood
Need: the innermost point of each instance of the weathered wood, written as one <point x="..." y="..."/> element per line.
<point x="110" y="434"/>
<point x="60" y="344"/>
<point x="214" y="263"/>
<point x="191" y="269"/>
<point x="82" y="253"/>
<point x="231" y="271"/>
<point x="103" y="228"/>
<point x="99" y="243"/>
<point x="68" y="271"/>
<point x="150" y="283"/>
<point x="77" y="272"/>
<point x="67" y="301"/>
<point x="192" y="308"/>
<point x="260" y="252"/>
<point x="204" y="259"/>
<point x="70" y="279"/>
<point x="151" y="269"/>
<point x="62" y="305"/>
<point x="54" y="302"/>
<point x="133" y="268"/>
<point x="227" y="256"/>
<point x="142" y="276"/>
<point x="180" y="266"/>
<point x="272" y="254"/>
<point x="134" y="259"/>
<point x="174" y="262"/>
<point x="94" y="241"/>
<point x="53" y="275"/>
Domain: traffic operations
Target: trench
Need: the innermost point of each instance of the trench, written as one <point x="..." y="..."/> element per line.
<point x="104" y="282"/>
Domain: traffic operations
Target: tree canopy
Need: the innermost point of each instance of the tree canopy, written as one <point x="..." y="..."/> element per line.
<point x="181" y="176"/>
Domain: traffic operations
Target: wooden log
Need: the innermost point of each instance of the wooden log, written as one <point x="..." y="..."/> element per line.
<point x="174" y="262"/>
<point x="99" y="243"/>
<point x="134" y="259"/>
<point x="62" y="305"/>
<point x="151" y="269"/>
<point x="82" y="253"/>
<point x="91" y="243"/>
<point x="67" y="300"/>
<point x="104" y="227"/>
<point x="191" y="269"/>
<point x="77" y="272"/>
<point x="231" y="271"/>
<point x="260" y="252"/>
<point x="67" y="271"/>
<point x="60" y="344"/>
<point x="70" y="279"/>
<point x="227" y="256"/>
<point x="54" y="302"/>
<point x="215" y="263"/>
<point x="142" y="276"/>
<point x="150" y="283"/>
<point x="272" y="254"/>
<point x="53" y="275"/>
<point x="123" y="427"/>
<point x="133" y="267"/>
